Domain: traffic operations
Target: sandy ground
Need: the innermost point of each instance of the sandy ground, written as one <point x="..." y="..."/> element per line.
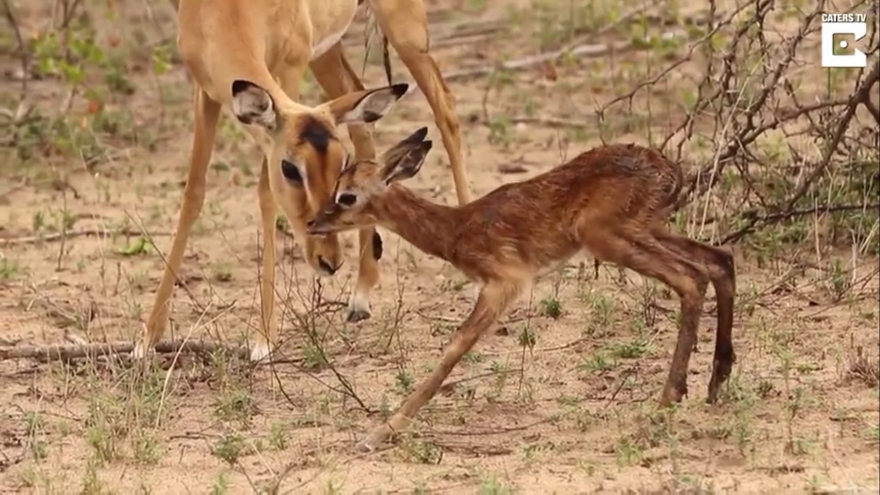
<point x="562" y="398"/>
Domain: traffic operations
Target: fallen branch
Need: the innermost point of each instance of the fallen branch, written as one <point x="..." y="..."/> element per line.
<point x="67" y="352"/>
<point x="439" y="34"/>
<point x="593" y="50"/>
<point x="478" y="449"/>
<point x="755" y="220"/>
<point x="449" y="387"/>
<point x="74" y="233"/>
<point x="551" y="122"/>
<point x="445" y="319"/>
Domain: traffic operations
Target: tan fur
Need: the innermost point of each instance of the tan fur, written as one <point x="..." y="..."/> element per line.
<point x="250" y="57"/>
<point x="405" y="24"/>
<point x="613" y="201"/>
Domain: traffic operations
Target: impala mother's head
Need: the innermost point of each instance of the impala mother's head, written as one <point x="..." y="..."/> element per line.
<point x="305" y="155"/>
<point x="362" y="185"/>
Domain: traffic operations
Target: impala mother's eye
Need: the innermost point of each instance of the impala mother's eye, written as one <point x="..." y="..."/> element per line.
<point x="290" y="171"/>
<point x="346" y="199"/>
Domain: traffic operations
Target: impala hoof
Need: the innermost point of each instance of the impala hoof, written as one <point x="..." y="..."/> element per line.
<point x="139" y="352"/>
<point x="358" y="307"/>
<point x="673" y="395"/>
<point x="365" y="447"/>
<point x="260" y="352"/>
<point x="356" y="315"/>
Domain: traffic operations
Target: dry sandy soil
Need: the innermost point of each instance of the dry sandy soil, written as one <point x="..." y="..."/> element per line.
<point x="561" y="399"/>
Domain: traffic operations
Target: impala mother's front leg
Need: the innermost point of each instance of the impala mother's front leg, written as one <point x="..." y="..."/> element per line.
<point x="370" y="247"/>
<point x="336" y="78"/>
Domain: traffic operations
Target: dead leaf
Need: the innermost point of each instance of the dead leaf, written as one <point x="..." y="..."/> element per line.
<point x="548" y="70"/>
<point x="94" y="106"/>
<point x="511" y="168"/>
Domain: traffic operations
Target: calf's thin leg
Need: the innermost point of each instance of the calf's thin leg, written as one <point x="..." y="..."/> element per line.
<point x="720" y="267"/>
<point x="641" y="252"/>
<point x="493" y="300"/>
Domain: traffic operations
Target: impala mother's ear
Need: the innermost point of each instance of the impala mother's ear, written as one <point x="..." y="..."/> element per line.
<point x="365" y="106"/>
<point x="252" y="104"/>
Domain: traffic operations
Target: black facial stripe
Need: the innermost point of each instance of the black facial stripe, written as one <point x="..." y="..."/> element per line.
<point x="377" y="246"/>
<point x="316" y="134"/>
<point x="290" y="171"/>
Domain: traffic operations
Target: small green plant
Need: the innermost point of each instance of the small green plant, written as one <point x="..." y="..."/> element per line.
<point x="313" y="356"/>
<point x="527" y="338"/>
<point x="104" y="442"/>
<point x="872" y="434"/>
<point x="596" y="363"/>
<point x="138" y="246"/>
<point x="235" y="404"/>
<point x="145" y="448"/>
<point x="551" y="307"/>
<point x="278" y="436"/>
<point x="492" y="486"/>
<point x="404" y="382"/>
<point x="628" y="452"/>
<point x="9" y="269"/>
<point x="221" y="485"/>
<point x="629" y="350"/>
<point x="229" y="448"/>
<point x="472" y="357"/>
<point x="222" y="273"/>
<point x="421" y="452"/>
<point x="34" y="431"/>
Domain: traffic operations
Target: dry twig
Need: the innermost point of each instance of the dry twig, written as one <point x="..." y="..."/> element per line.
<point x="56" y="236"/>
<point x="67" y="352"/>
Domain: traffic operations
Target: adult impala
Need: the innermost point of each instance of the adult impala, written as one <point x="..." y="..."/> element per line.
<point x="250" y="57"/>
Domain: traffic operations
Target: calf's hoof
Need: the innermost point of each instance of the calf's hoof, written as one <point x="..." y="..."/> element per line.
<point x="375" y="439"/>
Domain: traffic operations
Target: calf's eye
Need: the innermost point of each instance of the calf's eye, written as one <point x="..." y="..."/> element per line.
<point x="346" y="199"/>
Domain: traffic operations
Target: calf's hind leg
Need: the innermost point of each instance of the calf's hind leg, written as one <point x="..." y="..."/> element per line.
<point x="646" y="255"/>
<point x="722" y="272"/>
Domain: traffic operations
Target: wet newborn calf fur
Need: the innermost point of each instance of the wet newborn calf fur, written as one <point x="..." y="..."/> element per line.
<point x="613" y="201"/>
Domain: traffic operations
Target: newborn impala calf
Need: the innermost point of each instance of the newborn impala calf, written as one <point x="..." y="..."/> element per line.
<point x="613" y="201"/>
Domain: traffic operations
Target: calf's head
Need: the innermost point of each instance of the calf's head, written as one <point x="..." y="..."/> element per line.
<point x="363" y="185"/>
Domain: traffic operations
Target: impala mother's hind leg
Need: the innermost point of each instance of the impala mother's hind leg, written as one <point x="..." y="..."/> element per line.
<point x="641" y="252"/>
<point x="336" y="78"/>
<point x="405" y="24"/>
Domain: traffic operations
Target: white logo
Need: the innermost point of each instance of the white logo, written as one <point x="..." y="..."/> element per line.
<point x="839" y="33"/>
